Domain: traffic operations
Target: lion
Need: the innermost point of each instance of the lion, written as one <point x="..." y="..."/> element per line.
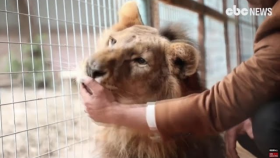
<point x="140" y="64"/>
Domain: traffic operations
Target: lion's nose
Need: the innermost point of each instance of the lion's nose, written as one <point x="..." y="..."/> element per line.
<point x="95" y="70"/>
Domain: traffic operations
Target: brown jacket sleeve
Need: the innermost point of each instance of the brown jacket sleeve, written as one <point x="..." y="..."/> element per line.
<point x="236" y="97"/>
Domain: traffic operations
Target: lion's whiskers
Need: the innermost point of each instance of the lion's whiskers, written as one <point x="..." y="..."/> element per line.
<point x="124" y="94"/>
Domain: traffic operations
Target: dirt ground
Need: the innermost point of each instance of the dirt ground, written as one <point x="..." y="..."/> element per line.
<point x="64" y="129"/>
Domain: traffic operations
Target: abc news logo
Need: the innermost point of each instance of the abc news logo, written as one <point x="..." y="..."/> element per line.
<point x="252" y="11"/>
<point x="273" y="153"/>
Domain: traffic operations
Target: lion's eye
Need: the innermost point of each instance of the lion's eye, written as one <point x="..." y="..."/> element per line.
<point x="140" y="61"/>
<point x="112" y="41"/>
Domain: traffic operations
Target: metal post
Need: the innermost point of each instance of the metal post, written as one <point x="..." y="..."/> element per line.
<point x="226" y="37"/>
<point x="144" y="9"/>
<point x="201" y="42"/>
<point x="237" y="34"/>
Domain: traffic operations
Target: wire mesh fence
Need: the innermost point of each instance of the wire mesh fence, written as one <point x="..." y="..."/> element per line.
<point x="41" y="43"/>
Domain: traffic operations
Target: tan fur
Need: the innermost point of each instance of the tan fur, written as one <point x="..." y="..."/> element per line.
<point x="170" y="72"/>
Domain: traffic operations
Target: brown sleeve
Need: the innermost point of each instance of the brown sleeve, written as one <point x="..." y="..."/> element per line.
<point x="236" y="97"/>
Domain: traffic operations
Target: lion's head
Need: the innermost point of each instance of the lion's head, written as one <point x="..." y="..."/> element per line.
<point x="139" y="63"/>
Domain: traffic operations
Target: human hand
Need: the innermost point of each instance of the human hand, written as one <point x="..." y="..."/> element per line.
<point x="98" y="101"/>
<point x="231" y="137"/>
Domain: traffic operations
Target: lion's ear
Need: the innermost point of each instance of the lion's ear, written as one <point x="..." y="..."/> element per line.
<point x="129" y="15"/>
<point x="183" y="59"/>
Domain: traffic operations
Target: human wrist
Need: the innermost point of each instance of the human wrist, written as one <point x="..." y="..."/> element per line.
<point x="114" y="113"/>
<point x="131" y="116"/>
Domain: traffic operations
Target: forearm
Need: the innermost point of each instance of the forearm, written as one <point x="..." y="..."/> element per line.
<point x="230" y="101"/>
<point x="132" y="116"/>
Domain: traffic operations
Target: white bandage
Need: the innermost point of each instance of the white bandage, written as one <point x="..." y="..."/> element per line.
<point x="151" y="116"/>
